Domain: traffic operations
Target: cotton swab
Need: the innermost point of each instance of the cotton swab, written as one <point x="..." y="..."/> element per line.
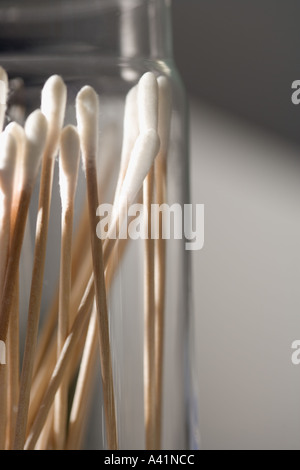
<point x="148" y="119"/>
<point x="35" y="131"/>
<point x="142" y="158"/>
<point x="8" y="152"/>
<point x="53" y="105"/>
<point x="148" y="102"/>
<point x="164" y="121"/>
<point x="69" y="162"/>
<point x="13" y="350"/>
<point x="130" y="134"/>
<point x="3" y="95"/>
<point x="8" y="149"/>
<point x="87" y="111"/>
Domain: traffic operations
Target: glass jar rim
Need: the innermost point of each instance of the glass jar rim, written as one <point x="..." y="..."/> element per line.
<point x="29" y="11"/>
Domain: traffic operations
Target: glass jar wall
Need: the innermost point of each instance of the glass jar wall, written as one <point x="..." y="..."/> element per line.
<point x="108" y="45"/>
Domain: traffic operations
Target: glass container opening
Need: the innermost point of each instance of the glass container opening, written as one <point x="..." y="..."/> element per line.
<point x="124" y="28"/>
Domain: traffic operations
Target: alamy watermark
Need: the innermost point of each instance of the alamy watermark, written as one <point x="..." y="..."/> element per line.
<point x="296" y="354"/>
<point x="296" y="94"/>
<point x="170" y="222"/>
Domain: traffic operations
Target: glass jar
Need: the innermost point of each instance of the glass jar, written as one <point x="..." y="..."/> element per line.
<point x="109" y="45"/>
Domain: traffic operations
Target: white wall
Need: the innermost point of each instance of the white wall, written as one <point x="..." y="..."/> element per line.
<point x="246" y="284"/>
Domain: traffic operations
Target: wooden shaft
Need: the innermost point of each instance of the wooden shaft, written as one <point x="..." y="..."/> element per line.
<point x="103" y="324"/>
<point x="61" y="366"/>
<point x="149" y="317"/>
<point x="35" y="299"/>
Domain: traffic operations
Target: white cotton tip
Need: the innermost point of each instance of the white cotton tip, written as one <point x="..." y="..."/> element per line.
<point x="53" y="100"/>
<point x="53" y="106"/>
<point x="17" y="131"/>
<point x="148" y="102"/>
<point x="36" y="133"/>
<point x="142" y="158"/>
<point x="87" y="114"/>
<point x="130" y="126"/>
<point x="68" y="162"/>
<point x="3" y="95"/>
<point x="164" y="113"/>
<point x="8" y="153"/>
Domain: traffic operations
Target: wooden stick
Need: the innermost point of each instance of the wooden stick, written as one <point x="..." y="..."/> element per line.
<point x="149" y="325"/>
<point x="164" y="121"/>
<point x="45" y="440"/>
<point x="62" y="364"/>
<point x="8" y="150"/>
<point x="79" y="255"/>
<point x="40" y="383"/>
<point x="43" y="376"/>
<point x="14" y="369"/>
<point x="148" y="119"/>
<point x="53" y="106"/>
<point x="69" y="162"/>
<point x="87" y="118"/>
<point x="83" y="386"/>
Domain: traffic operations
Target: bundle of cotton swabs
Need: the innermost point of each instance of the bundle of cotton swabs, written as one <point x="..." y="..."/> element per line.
<point x="36" y="411"/>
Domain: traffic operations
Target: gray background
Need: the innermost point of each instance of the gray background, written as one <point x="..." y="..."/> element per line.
<point x="238" y="60"/>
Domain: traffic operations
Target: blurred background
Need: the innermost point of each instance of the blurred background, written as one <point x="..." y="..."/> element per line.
<point x="238" y="61"/>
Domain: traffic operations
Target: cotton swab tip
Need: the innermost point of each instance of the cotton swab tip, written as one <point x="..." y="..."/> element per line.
<point x="164" y="113"/>
<point x="69" y="162"/>
<point x="70" y="150"/>
<point x="87" y="113"/>
<point x="53" y="100"/>
<point x="142" y="158"/>
<point x="8" y="152"/>
<point x="36" y="132"/>
<point x="148" y="102"/>
<point x="87" y="102"/>
<point x="130" y="127"/>
<point x="16" y="131"/>
<point x="3" y="86"/>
